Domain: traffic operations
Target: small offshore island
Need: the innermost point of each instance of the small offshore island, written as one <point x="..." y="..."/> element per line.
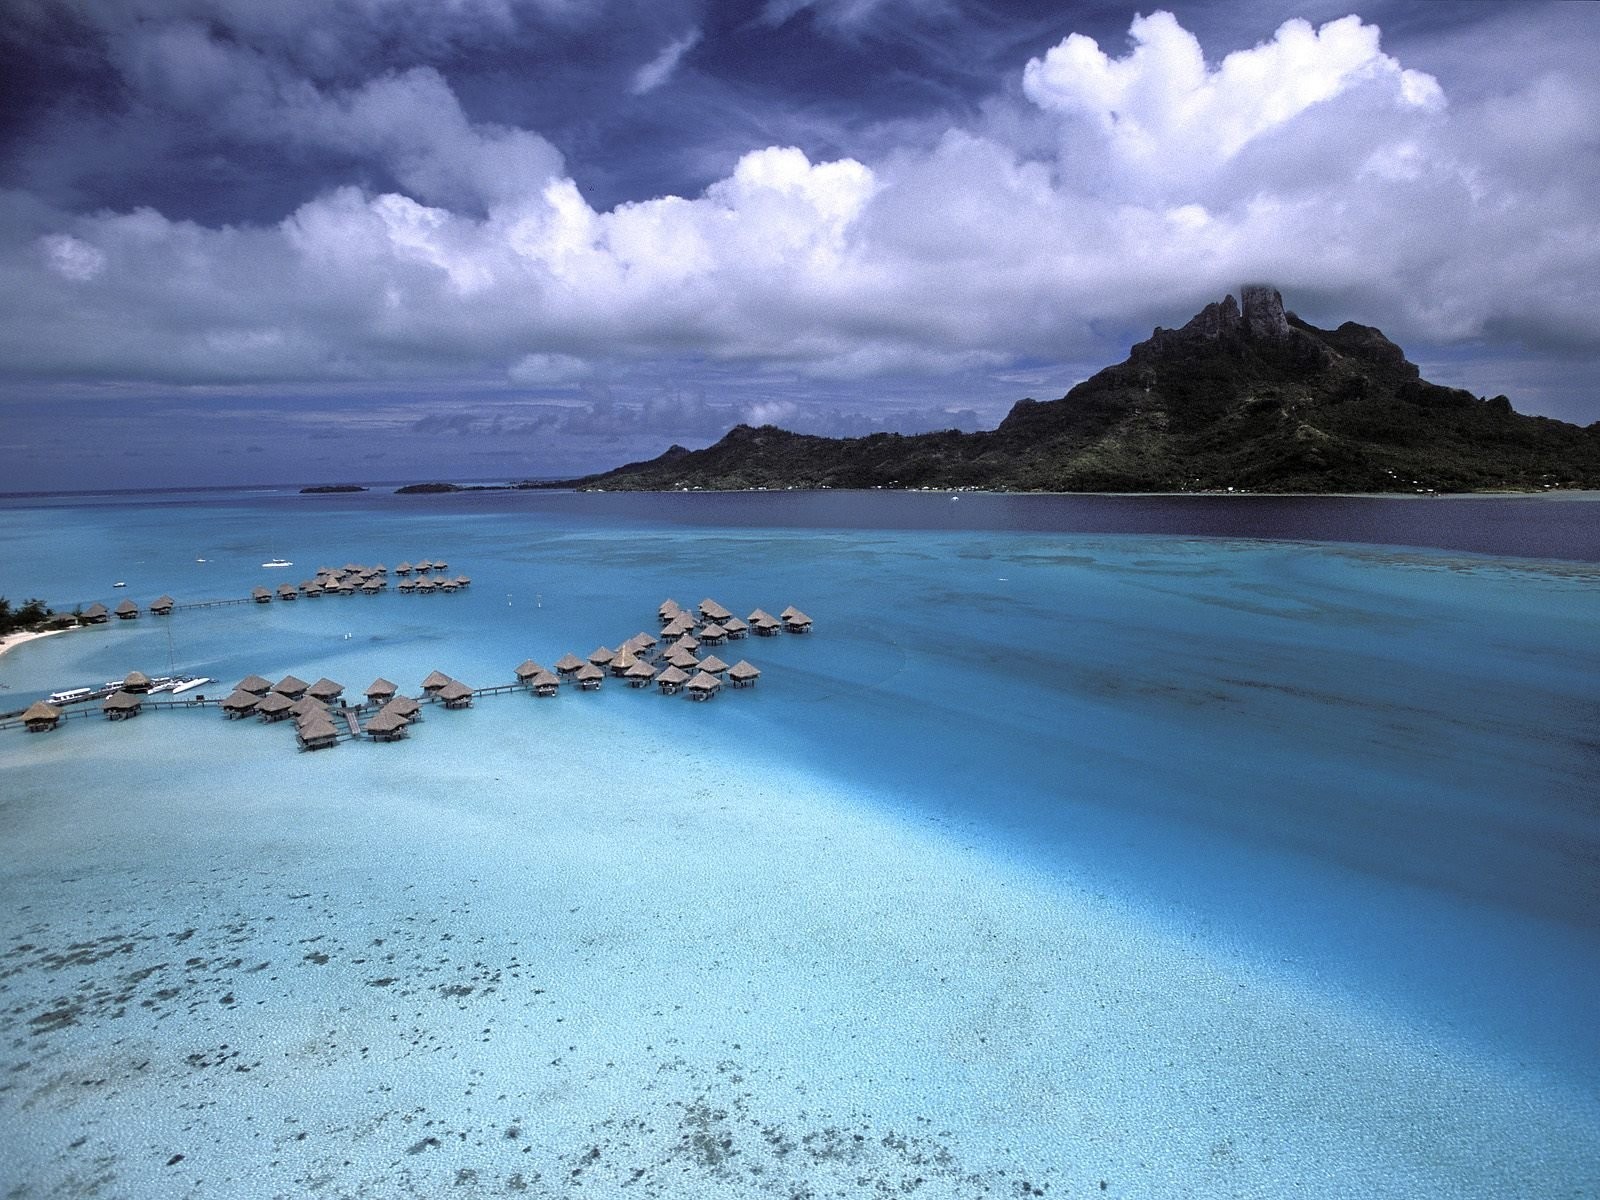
<point x="1242" y="398"/>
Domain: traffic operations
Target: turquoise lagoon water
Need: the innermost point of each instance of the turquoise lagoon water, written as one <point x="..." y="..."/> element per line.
<point x="1058" y="861"/>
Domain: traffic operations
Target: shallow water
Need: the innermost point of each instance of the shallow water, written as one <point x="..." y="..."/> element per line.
<point x="1192" y="866"/>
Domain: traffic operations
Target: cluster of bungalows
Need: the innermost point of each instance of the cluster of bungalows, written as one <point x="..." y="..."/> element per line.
<point x="673" y="662"/>
<point x="318" y="708"/>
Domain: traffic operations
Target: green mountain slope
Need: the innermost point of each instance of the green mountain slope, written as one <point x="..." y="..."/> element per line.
<point x="1247" y="397"/>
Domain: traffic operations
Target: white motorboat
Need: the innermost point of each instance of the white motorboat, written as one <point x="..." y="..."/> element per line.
<point x="277" y="562"/>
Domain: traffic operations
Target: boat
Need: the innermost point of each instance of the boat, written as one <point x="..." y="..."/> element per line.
<point x="119" y="583"/>
<point x="277" y="562"/>
<point x="71" y="695"/>
<point x="197" y="681"/>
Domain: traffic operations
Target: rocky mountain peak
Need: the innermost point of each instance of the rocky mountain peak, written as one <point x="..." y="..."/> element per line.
<point x="1263" y="314"/>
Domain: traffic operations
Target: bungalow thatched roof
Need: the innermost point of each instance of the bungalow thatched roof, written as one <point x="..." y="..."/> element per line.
<point x="96" y="610"/>
<point x="274" y="702"/>
<point x="307" y="705"/>
<point x="404" y="566"/>
<point x="590" y="671"/>
<point x="712" y="610"/>
<point x="127" y="606"/>
<point x="256" y="684"/>
<point x="791" y="611"/>
<point x="793" y="616"/>
<point x="568" y="662"/>
<point x="704" y="683"/>
<point x="734" y="625"/>
<point x="240" y="701"/>
<point x="714" y="630"/>
<point x="642" y="670"/>
<point x="455" y="690"/>
<point x="386" y="722"/>
<point x="600" y="656"/>
<point x="121" y="701"/>
<point x="623" y="660"/>
<point x="435" y="681"/>
<point x="163" y="602"/>
<point x="291" y="686"/>
<point x="545" y="679"/>
<point x="686" y="642"/>
<point x="325" y="689"/>
<point x="404" y="705"/>
<point x="258" y="592"/>
<point x="760" y="616"/>
<point x="135" y="680"/>
<point x="683" y="660"/>
<point x="317" y="727"/>
<point x="40" y="711"/>
<point x="670" y="608"/>
<point x="673" y="675"/>
<point x="381" y="687"/>
<point x="713" y="665"/>
<point x="742" y="670"/>
<point x="680" y="624"/>
<point x="528" y="670"/>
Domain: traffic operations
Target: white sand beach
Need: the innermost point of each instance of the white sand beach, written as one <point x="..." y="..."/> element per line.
<point x="11" y="640"/>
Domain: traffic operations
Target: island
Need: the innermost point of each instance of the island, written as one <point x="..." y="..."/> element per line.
<point x="1244" y="397"/>
<point x="327" y="489"/>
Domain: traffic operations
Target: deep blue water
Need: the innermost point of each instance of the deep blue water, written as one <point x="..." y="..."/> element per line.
<point x="1207" y="846"/>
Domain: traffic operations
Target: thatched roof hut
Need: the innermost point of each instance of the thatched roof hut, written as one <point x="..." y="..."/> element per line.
<point x="678" y="626"/>
<point x="712" y="611"/>
<point x="127" y="610"/>
<point x="760" y="614"/>
<point x="765" y="624"/>
<point x="589" y="677"/>
<point x="712" y="665"/>
<point x="326" y="689"/>
<point x="686" y="642"/>
<point x="162" y="607"/>
<point x="424" y="565"/>
<point x="260" y="595"/>
<point x="380" y="690"/>
<point x="528" y="670"/>
<point x="683" y="660"/>
<point x="386" y="726"/>
<point x="796" y="621"/>
<point x="742" y="674"/>
<point x="671" y="679"/>
<point x="121" y="705"/>
<point x="643" y="642"/>
<point x="274" y="706"/>
<point x="313" y="590"/>
<point x="545" y="684"/>
<point x="600" y="656"/>
<point x="286" y="592"/>
<point x="567" y="664"/>
<point x="439" y="564"/>
<point x="735" y="628"/>
<point x="291" y="687"/>
<point x="425" y="585"/>
<point x="640" y="674"/>
<point x="317" y="732"/>
<point x="789" y="612"/>
<point x="456" y="694"/>
<point x="96" y="614"/>
<point x="305" y="707"/>
<point x="623" y="660"/>
<point x="408" y="585"/>
<point x="240" y="704"/>
<point x="703" y="686"/>
<point x="136" y="681"/>
<point x="403" y="569"/>
<point x="463" y="581"/>
<point x="371" y="587"/>
<point x="256" y="684"/>
<point x="405" y="706"/>
<point x="435" y="681"/>
<point x="714" y="634"/>
<point x="669" y="609"/>
<point x="41" y="717"/>
<point x="447" y="585"/>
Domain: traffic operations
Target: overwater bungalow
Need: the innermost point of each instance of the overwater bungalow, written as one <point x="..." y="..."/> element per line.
<point x="545" y="684"/>
<point x="760" y="614"/>
<point x="765" y="625"/>
<point x="669" y="609"/>
<point x="640" y="674"/>
<point x="589" y="677"/>
<point x="623" y="662"/>
<point x="274" y="706"/>
<point x="796" y="621"/>
<point x="712" y="665"/>
<point x="406" y="707"/>
<point x="346" y="587"/>
<point x="239" y="704"/>
<point x="568" y="664"/>
<point x="256" y="684"/>
<point x="317" y="732"/>
<point x="735" y="628"/>
<point x="162" y="607"/>
<point x="683" y="660"/>
<point x="291" y="687"/>
<point x="371" y="587"/>
<point x="527" y="671"/>
<point x="600" y="656"/>
<point x="435" y="683"/>
<point x="386" y="727"/>
<point x="326" y="690"/>
<point x="96" y="614"/>
<point x="463" y="581"/>
<point x="679" y="625"/>
<point x="307" y="706"/>
<point x="712" y="611"/>
<point x="136" y="682"/>
<point x="287" y="592"/>
<point x="127" y="611"/>
<point x="671" y="680"/>
<point x="381" y="569"/>
<point x="714" y="634"/>
<point x="313" y="590"/>
<point x="643" y="643"/>
<point x="686" y="642"/>
<point x="403" y="569"/>
<point x="703" y="686"/>
<point x="791" y="611"/>
<point x="119" y="706"/>
<point x="260" y="595"/>
<point x="425" y="585"/>
<point x="408" y="585"/>
<point x="41" y="717"/>
<point x="742" y="674"/>
<point x="352" y="568"/>
<point x="422" y="566"/>
<point x="380" y="691"/>
<point x="456" y="694"/>
<point x="439" y="564"/>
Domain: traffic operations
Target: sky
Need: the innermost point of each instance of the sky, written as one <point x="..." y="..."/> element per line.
<point x="322" y="241"/>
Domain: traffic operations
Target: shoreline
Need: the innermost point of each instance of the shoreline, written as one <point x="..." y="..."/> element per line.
<point x="11" y="640"/>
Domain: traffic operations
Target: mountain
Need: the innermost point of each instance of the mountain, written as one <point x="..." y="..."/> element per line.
<point x="1247" y="397"/>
